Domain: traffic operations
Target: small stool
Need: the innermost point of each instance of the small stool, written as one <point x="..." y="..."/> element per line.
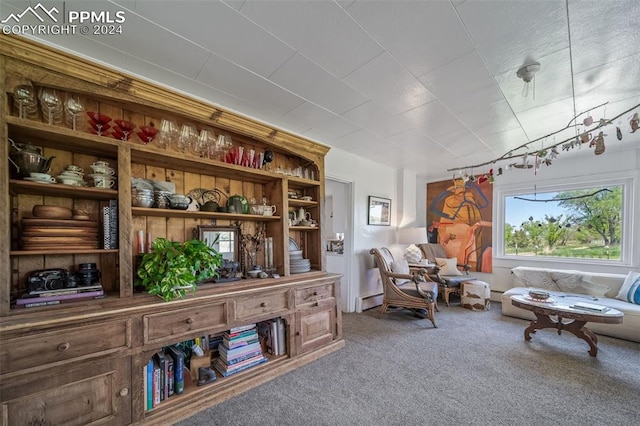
<point x="476" y="295"/>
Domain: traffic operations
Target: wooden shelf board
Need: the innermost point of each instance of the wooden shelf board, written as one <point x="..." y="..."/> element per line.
<point x="304" y="228"/>
<point x="59" y="251"/>
<point x="142" y="211"/>
<point x="296" y="182"/>
<point x="36" y="133"/>
<point x="296" y="202"/>
<point x="58" y="189"/>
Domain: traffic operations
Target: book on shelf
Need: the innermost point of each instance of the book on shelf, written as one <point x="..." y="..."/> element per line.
<point x="71" y="290"/>
<point x="242" y="358"/>
<point x="282" y="346"/>
<point x="149" y="384"/>
<point x="178" y="368"/>
<point x="170" y="377"/>
<point x="31" y="302"/>
<point x="159" y="359"/>
<point x="156" y="383"/>
<point x="235" y="330"/>
<point x="110" y="225"/>
<point x="227" y="354"/>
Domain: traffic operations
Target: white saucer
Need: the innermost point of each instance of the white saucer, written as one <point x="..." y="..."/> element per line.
<point x="30" y="179"/>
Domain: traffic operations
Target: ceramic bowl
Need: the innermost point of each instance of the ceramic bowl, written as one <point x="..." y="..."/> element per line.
<point x="254" y="273"/>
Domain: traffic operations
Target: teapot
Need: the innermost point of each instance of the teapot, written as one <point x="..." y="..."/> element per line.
<point x="28" y="159"/>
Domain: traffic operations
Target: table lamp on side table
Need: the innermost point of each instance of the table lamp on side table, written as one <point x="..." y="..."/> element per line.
<point x="412" y="236"/>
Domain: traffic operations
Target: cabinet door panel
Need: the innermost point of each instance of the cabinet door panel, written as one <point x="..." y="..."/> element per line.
<point x="36" y="350"/>
<point x="173" y="324"/>
<point x="315" y="327"/>
<point x="98" y="393"/>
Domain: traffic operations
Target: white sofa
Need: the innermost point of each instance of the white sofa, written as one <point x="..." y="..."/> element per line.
<point x="600" y="287"/>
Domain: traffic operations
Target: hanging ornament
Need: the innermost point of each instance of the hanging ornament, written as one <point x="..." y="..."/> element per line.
<point x="635" y="122"/>
<point x="585" y="137"/>
<point x="499" y="171"/>
<point x="482" y="179"/>
<point x="619" y="133"/>
<point x="588" y="121"/>
<point x="553" y="154"/>
<point x="599" y="143"/>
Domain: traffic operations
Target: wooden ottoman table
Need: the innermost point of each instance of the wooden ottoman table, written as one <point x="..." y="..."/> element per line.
<point x="475" y="295"/>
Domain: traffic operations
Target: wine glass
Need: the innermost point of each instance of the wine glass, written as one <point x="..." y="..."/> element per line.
<point x="73" y="108"/>
<point x="188" y="136"/>
<point x="24" y="98"/>
<point x="203" y="143"/>
<point x="168" y="133"/>
<point x="51" y="105"/>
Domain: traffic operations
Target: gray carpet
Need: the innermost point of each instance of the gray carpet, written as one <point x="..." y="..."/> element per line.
<point x="475" y="369"/>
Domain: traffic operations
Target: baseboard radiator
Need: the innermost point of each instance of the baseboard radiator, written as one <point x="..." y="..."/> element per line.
<point x="367" y="302"/>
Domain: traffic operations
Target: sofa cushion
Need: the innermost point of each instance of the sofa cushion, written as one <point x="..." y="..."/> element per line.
<point x="535" y="277"/>
<point x="574" y="282"/>
<point x="448" y="266"/>
<point x="630" y="290"/>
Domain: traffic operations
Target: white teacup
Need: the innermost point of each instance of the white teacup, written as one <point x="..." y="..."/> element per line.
<point x="70" y="180"/>
<point x="74" y="168"/>
<point x="100" y="164"/>
<point x="104" y="182"/>
<point x="42" y="177"/>
<point x="268" y="210"/>
<point x="103" y="170"/>
<point x="71" y="173"/>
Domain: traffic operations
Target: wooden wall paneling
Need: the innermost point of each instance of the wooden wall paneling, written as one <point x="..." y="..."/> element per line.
<point x="125" y="261"/>
<point x="176" y="226"/>
<point x="156" y="226"/>
<point x="5" y="208"/>
<point x="190" y="181"/>
<point x="138" y="223"/>
<point x="109" y="268"/>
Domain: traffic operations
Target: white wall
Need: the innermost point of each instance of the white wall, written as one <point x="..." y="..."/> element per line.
<point x="369" y="178"/>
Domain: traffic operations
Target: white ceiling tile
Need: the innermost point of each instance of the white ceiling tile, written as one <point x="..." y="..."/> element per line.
<point x="507" y="32"/>
<point x="232" y="79"/>
<point x="321" y="30"/>
<point x="433" y="119"/>
<point x="415" y="142"/>
<point x="491" y="118"/>
<point x="376" y="119"/>
<point x="599" y="41"/>
<point x="460" y="142"/>
<point x="231" y="36"/>
<point x="357" y="140"/>
<point x="236" y="4"/>
<point x="321" y="124"/>
<point x="421" y="35"/>
<point x="260" y="113"/>
<point x="400" y="92"/>
<point x="307" y="79"/>
<point x="545" y="119"/>
<point x="170" y="79"/>
<point x="462" y="84"/>
<point x="501" y="143"/>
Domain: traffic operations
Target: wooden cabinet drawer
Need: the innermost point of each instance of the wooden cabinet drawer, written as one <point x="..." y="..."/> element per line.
<point x="261" y="304"/>
<point x="38" y="350"/>
<point x="315" y="326"/>
<point x="173" y="324"/>
<point x="311" y="295"/>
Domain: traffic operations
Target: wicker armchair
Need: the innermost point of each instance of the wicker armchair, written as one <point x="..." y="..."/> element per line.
<point x="449" y="284"/>
<point x="405" y="290"/>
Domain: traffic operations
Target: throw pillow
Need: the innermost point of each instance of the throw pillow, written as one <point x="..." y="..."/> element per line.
<point x="593" y="288"/>
<point x="400" y="267"/>
<point x="535" y="277"/>
<point x="630" y="290"/>
<point x="448" y="266"/>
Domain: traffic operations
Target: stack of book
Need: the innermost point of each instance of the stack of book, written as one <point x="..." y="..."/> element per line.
<point x="239" y="350"/>
<point x="110" y="226"/>
<point x="56" y="297"/>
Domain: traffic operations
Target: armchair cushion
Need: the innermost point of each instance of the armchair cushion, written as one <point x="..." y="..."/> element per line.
<point x="448" y="266"/>
<point x="400" y="267"/>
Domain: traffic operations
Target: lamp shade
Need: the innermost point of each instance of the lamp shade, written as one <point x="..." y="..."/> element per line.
<point x="412" y="236"/>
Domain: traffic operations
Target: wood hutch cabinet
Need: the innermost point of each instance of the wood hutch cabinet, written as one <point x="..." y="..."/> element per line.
<point x="82" y="362"/>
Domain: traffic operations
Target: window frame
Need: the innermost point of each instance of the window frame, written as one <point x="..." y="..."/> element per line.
<point x="626" y="180"/>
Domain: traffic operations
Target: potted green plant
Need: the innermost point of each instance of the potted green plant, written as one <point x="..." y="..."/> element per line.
<point x="172" y="268"/>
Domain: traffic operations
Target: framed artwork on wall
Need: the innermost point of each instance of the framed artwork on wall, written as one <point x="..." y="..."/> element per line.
<point x="379" y="211"/>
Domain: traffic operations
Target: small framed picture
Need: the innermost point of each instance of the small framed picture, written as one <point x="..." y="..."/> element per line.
<point x="379" y="211"/>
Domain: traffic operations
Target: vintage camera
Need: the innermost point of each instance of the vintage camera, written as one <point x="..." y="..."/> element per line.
<point x="47" y="279"/>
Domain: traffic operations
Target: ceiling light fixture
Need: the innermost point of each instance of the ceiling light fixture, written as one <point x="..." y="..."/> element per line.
<point x="528" y="74"/>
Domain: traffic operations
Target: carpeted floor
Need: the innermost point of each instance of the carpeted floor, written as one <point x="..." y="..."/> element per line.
<point x="474" y="369"/>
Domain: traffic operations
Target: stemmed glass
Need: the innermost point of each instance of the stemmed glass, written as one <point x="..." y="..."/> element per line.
<point x="123" y="129"/>
<point x="147" y="133"/>
<point x="99" y="122"/>
<point x="25" y="99"/>
<point x="168" y="133"/>
<point x="73" y="108"/>
<point x="51" y="105"/>
<point x="188" y="136"/>
<point x="202" y="145"/>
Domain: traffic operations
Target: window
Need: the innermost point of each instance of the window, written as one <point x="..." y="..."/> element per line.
<point x="585" y="222"/>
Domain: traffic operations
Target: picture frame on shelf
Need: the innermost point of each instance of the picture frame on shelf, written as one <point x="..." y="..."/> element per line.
<point x="379" y="211"/>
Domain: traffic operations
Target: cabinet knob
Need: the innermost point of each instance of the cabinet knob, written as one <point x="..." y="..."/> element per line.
<point x="190" y="321"/>
<point x="297" y="333"/>
<point x="315" y="293"/>
<point x="124" y="392"/>
<point x="63" y="347"/>
<point x="263" y="304"/>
